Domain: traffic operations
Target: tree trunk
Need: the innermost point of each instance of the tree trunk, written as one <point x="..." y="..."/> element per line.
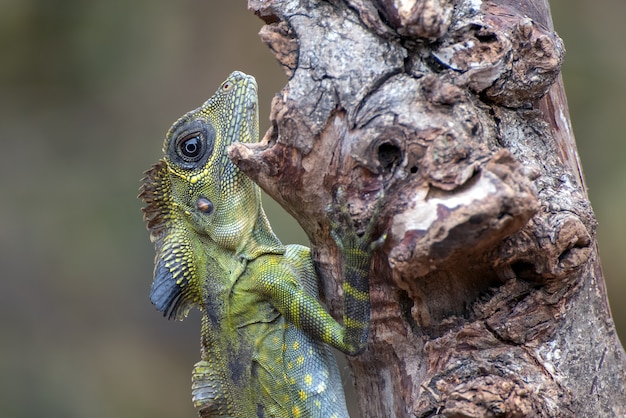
<point x="488" y="298"/>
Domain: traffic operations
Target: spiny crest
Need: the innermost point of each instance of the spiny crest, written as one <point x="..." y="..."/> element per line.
<point x="155" y="192"/>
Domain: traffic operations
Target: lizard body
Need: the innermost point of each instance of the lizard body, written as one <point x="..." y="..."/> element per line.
<point x="264" y="331"/>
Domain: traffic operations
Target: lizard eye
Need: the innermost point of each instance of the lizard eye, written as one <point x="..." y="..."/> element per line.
<point x="190" y="143"/>
<point x="190" y="147"/>
<point x="227" y="86"/>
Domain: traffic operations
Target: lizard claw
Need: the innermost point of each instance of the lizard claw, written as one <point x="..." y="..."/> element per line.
<point x="379" y="242"/>
<point x="343" y="231"/>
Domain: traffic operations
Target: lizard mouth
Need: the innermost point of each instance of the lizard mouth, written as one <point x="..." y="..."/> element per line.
<point x="251" y="103"/>
<point x="252" y="100"/>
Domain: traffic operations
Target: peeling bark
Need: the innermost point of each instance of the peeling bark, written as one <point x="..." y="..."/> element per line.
<point x="488" y="297"/>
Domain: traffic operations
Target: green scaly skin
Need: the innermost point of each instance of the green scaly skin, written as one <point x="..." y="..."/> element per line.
<point x="264" y="331"/>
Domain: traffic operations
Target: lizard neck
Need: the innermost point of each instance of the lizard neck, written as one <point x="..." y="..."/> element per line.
<point x="240" y="224"/>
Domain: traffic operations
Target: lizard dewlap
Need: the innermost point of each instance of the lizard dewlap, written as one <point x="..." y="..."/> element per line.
<point x="265" y="336"/>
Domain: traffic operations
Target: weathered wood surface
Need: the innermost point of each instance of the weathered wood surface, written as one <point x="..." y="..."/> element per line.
<point x="488" y="297"/>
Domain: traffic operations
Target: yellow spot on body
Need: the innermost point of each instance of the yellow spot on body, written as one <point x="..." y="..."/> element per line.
<point x="296" y="345"/>
<point x="193" y="180"/>
<point x="318" y="404"/>
<point x="296" y="412"/>
<point x="300" y="360"/>
<point x="302" y="394"/>
<point x="321" y="387"/>
<point x="308" y="379"/>
<point x="284" y="347"/>
<point x="292" y="380"/>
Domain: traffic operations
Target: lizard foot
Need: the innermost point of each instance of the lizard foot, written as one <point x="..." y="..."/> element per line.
<point x="345" y="234"/>
<point x="206" y="391"/>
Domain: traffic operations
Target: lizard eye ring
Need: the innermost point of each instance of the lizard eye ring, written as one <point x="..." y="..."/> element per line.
<point x="227" y="86"/>
<point x="191" y="147"/>
<point x="190" y="143"/>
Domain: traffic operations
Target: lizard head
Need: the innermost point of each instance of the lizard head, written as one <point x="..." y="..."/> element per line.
<point x="217" y="198"/>
<point x="197" y="199"/>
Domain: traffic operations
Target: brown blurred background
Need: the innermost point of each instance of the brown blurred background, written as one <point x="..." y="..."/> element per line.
<point x="87" y="90"/>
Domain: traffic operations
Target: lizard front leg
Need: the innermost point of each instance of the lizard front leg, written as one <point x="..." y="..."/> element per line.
<point x="305" y="311"/>
<point x="210" y="398"/>
<point x="356" y="249"/>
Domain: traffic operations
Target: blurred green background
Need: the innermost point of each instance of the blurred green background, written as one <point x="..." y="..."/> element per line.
<point x="87" y="90"/>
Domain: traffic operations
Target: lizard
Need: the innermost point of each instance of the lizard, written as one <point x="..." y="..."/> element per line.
<point x="266" y="337"/>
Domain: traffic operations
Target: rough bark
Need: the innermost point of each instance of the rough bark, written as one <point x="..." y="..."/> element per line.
<point x="488" y="298"/>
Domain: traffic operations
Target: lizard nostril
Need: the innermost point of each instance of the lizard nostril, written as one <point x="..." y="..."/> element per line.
<point x="204" y="205"/>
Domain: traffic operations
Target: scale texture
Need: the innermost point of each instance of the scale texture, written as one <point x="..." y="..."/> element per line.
<point x="265" y="346"/>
